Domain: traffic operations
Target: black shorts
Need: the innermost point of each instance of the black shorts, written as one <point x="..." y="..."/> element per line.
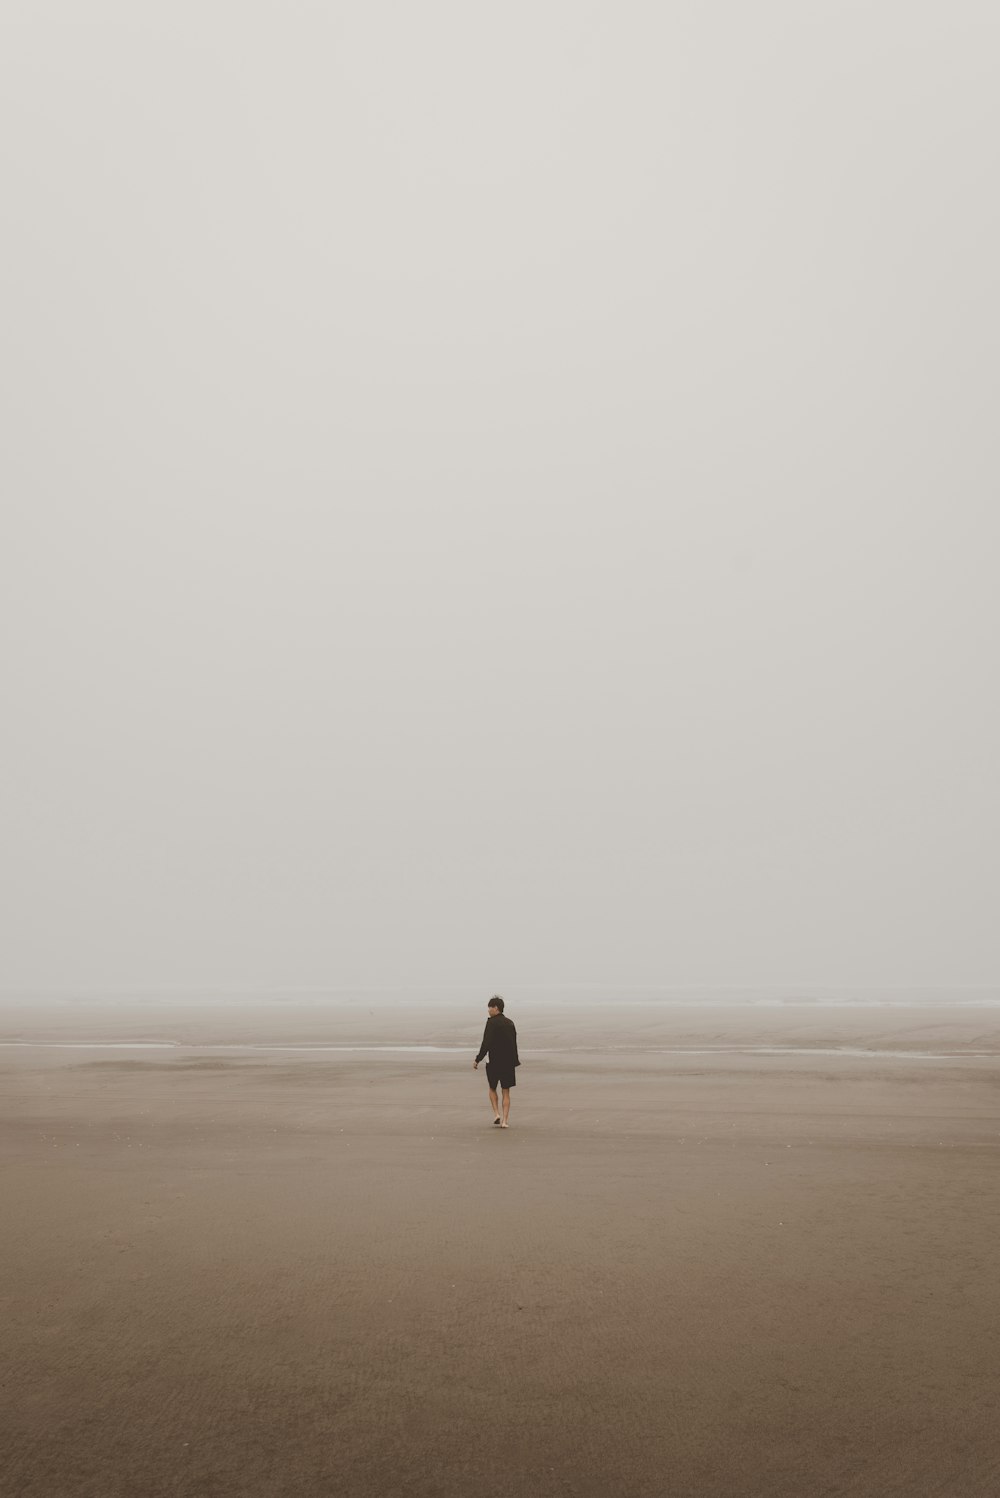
<point x="500" y="1076"/>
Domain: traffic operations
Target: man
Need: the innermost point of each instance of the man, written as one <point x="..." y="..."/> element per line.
<point x="500" y="1043"/>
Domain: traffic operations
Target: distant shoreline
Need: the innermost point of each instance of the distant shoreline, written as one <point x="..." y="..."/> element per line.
<point x="320" y="1047"/>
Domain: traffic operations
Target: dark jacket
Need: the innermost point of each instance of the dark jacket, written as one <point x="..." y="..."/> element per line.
<point x="500" y="1041"/>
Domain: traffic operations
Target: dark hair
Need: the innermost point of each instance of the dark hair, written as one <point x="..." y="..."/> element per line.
<point x="496" y="1003"/>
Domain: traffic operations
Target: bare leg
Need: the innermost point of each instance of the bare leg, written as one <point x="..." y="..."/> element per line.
<point x="494" y="1104"/>
<point x="506" y="1107"/>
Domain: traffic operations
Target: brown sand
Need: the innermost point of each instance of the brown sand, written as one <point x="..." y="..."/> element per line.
<point x="695" y="1272"/>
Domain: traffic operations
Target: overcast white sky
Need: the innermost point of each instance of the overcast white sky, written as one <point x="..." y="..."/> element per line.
<point x="499" y="493"/>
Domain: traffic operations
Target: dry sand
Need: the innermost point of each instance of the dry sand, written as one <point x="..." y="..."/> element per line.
<point x="686" y="1268"/>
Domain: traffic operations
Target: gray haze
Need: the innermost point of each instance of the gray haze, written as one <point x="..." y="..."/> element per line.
<point x="499" y="493"/>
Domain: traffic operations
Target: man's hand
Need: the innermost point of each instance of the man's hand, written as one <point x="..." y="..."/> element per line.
<point x="475" y="1066"/>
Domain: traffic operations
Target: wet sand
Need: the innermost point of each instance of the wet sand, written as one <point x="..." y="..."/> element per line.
<point x="722" y="1250"/>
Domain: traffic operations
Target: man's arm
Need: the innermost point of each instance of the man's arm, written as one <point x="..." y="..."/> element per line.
<point x="486" y="1042"/>
<point x="517" y="1059"/>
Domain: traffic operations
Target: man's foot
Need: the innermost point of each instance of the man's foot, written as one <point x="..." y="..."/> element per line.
<point x="496" y="1121"/>
<point x="504" y="1124"/>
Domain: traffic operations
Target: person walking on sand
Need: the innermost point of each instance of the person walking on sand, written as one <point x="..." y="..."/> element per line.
<point x="500" y="1044"/>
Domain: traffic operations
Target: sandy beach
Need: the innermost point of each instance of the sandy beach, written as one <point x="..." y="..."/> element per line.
<point x="732" y="1251"/>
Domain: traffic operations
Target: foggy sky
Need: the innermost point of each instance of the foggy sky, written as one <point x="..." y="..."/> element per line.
<point x="499" y="494"/>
